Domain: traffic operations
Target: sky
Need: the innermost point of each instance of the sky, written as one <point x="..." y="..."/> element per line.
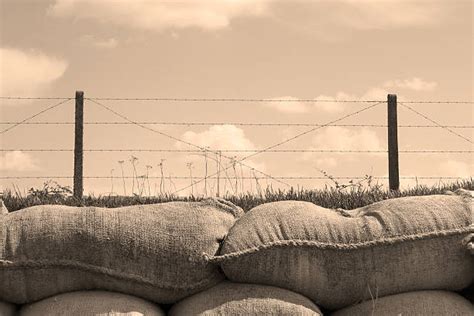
<point x="269" y="50"/>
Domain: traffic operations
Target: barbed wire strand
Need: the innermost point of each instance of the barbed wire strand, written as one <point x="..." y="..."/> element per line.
<point x="231" y="123"/>
<point x="213" y="177"/>
<point x="235" y="100"/>
<point x="186" y="142"/>
<point x="286" y="141"/>
<point x="434" y="122"/>
<point x="34" y="115"/>
<point x="265" y="100"/>
<point x="237" y="150"/>
<point x="438" y="102"/>
<point x="33" y="98"/>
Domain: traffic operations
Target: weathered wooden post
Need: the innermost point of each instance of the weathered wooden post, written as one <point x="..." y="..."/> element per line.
<point x="78" y="146"/>
<point x="393" y="168"/>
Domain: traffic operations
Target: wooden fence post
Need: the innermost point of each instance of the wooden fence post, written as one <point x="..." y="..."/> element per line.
<point x="393" y="168"/>
<point x="78" y="146"/>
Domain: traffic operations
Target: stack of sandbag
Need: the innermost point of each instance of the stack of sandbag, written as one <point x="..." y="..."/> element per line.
<point x="341" y="258"/>
<point x="401" y="256"/>
<point x="148" y="251"/>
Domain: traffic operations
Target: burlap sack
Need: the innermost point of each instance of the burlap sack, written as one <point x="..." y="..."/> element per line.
<point x="431" y="303"/>
<point x="229" y="298"/>
<point x="7" y="309"/>
<point x="150" y="251"/>
<point x="336" y="259"/>
<point x="92" y="303"/>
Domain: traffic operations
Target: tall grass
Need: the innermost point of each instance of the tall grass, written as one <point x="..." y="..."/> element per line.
<point x="337" y="196"/>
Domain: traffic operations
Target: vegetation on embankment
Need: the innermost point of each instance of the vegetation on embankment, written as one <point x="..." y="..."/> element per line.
<point x="346" y="196"/>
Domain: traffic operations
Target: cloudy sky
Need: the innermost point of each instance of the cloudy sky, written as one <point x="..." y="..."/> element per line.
<point x="239" y="49"/>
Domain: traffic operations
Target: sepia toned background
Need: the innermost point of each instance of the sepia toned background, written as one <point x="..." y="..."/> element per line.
<point x="244" y="49"/>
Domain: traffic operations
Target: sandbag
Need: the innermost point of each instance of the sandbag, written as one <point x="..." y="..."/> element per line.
<point x="85" y="303"/>
<point x="7" y="309"/>
<point x="339" y="258"/>
<point x="440" y="303"/>
<point x="151" y="251"/>
<point x="229" y="298"/>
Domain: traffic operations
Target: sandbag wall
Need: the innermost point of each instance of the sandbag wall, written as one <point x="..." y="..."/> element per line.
<point x="399" y="256"/>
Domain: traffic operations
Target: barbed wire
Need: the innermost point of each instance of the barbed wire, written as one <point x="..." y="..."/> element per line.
<point x="289" y="140"/>
<point x="254" y="152"/>
<point x="237" y="100"/>
<point x="34" y="115"/>
<point x="438" y="102"/>
<point x="34" y="98"/>
<point x="269" y="100"/>
<point x="230" y="123"/>
<point x="233" y="160"/>
<point x="223" y="178"/>
<point x="236" y="150"/>
<point x="434" y="122"/>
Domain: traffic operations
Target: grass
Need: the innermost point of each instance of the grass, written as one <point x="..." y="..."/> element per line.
<point x="339" y="196"/>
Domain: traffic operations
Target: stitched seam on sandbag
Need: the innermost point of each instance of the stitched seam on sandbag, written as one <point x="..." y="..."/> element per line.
<point x="338" y="246"/>
<point x="69" y="264"/>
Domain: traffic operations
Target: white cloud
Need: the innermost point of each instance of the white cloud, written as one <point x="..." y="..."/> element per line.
<point x="217" y="14"/>
<point x="17" y="161"/>
<point x="325" y="103"/>
<point x="416" y="84"/>
<point x="28" y="73"/>
<point x="341" y="138"/>
<point x="386" y="14"/>
<point x="330" y="104"/>
<point x="221" y="137"/>
<point x="218" y="137"/>
<point x="100" y="43"/>
<point x="158" y="15"/>
<point x="338" y="20"/>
